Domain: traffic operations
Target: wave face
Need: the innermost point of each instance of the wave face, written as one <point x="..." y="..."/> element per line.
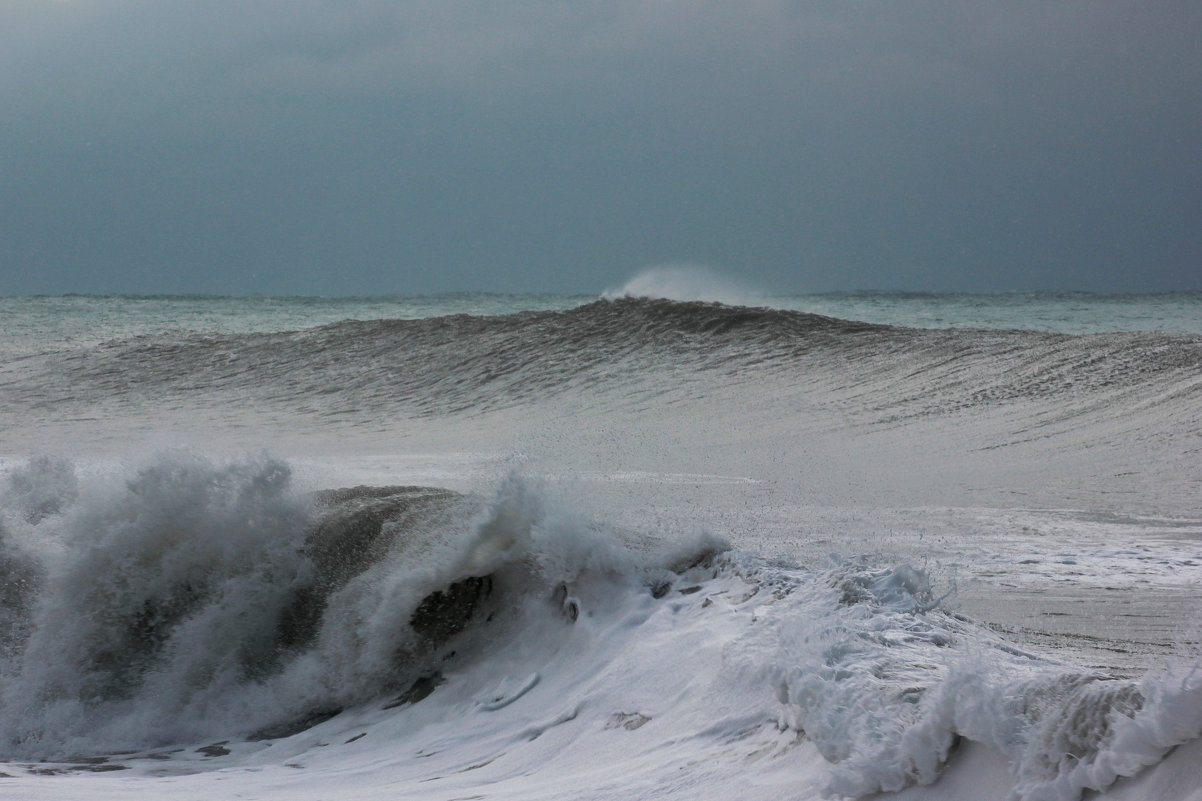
<point x="356" y="370"/>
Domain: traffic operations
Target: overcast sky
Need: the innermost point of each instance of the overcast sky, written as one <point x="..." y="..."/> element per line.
<point x="412" y="146"/>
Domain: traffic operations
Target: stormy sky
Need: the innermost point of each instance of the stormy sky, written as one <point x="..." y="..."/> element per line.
<point x="414" y="146"/>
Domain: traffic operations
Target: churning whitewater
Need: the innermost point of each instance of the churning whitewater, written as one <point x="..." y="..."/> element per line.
<point x="628" y="548"/>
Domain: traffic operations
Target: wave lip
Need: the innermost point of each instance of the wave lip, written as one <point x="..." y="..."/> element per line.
<point x="687" y="282"/>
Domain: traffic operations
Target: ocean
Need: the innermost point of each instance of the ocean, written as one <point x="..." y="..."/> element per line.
<point x="676" y="542"/>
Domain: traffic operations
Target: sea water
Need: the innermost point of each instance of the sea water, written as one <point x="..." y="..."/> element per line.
<point x="42" y="321"/>
<point x="567" y="547"/>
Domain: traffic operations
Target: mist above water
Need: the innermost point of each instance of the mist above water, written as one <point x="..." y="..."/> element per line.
<point x="688" y="282"/>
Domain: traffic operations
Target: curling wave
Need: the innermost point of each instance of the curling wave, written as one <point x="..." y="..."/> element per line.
<point x="193" y="601"/>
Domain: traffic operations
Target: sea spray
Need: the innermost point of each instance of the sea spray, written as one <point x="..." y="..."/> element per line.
<point x="198" y="599"/>
<point x="688" y="282"/>
<point x="160" y="600"/>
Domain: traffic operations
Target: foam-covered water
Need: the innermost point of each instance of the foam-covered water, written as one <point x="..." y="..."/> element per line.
<point x="622" y="548"/>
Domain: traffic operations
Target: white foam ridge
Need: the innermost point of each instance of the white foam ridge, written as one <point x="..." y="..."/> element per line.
<point x="687" y="282"/>
<point x="189" y="599"/>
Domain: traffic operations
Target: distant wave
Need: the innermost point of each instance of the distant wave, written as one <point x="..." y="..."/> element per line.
<point x="621" y="349"/>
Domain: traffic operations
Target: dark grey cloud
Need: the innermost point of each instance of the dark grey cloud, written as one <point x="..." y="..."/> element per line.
<point x="416" y="146"/>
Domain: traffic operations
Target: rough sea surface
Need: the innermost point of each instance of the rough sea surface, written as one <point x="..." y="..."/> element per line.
<point x="710" y="547"/>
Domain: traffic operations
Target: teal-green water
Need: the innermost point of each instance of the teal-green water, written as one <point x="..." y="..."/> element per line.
<point x="31" y="324"/>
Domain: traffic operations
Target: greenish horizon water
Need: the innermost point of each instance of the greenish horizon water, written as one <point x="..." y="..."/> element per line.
<point x="38" y="323"/>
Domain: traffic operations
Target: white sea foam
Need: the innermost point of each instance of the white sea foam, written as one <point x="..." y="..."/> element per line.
<point x="847" y="678"/>
<point x="687" y="282"/>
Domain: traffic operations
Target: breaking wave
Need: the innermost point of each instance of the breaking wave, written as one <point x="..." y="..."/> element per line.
<point x="190" y="600"/>
<point x="687" y="282"/>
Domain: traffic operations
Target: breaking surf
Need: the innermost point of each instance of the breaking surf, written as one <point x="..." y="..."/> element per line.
<point x="634" y="548"/>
